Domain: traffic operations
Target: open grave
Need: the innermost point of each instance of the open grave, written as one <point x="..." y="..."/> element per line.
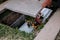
<point x="11" y="18"/>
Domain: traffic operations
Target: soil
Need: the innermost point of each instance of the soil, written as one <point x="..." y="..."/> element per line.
<point x="10" y="18"/>
<point x="5" y="13"/>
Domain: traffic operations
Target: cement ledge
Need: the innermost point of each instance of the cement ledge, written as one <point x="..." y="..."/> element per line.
<point x="2" y="5"/>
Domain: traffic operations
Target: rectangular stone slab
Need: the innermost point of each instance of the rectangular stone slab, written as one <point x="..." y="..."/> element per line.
<point x="27" y="7"/>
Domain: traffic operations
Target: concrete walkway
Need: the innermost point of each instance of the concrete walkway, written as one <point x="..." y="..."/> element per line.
<point x="51" y="29"/>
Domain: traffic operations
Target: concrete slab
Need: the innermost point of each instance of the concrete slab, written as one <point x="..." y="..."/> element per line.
<point x="51" y="29"/>
<point x="27" y="7"/>
<point x="25" y="28"/>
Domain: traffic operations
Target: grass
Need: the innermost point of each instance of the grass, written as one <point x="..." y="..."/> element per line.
<point x="29" y="18"/>
<point x="40" y="26"/>
<point x="14" y="34"/>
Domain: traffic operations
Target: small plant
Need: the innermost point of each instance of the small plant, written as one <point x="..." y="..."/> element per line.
<point x="40" y="26"/>
<point x="29" y="18"/>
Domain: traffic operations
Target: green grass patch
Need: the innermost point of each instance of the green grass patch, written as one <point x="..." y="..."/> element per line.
<point x="29" y="18"/>
<point x="14" y="33"/>
<point x="40" y="26"/>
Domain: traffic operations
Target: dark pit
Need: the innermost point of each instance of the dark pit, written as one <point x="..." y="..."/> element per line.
<point x="11" y="18"/>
